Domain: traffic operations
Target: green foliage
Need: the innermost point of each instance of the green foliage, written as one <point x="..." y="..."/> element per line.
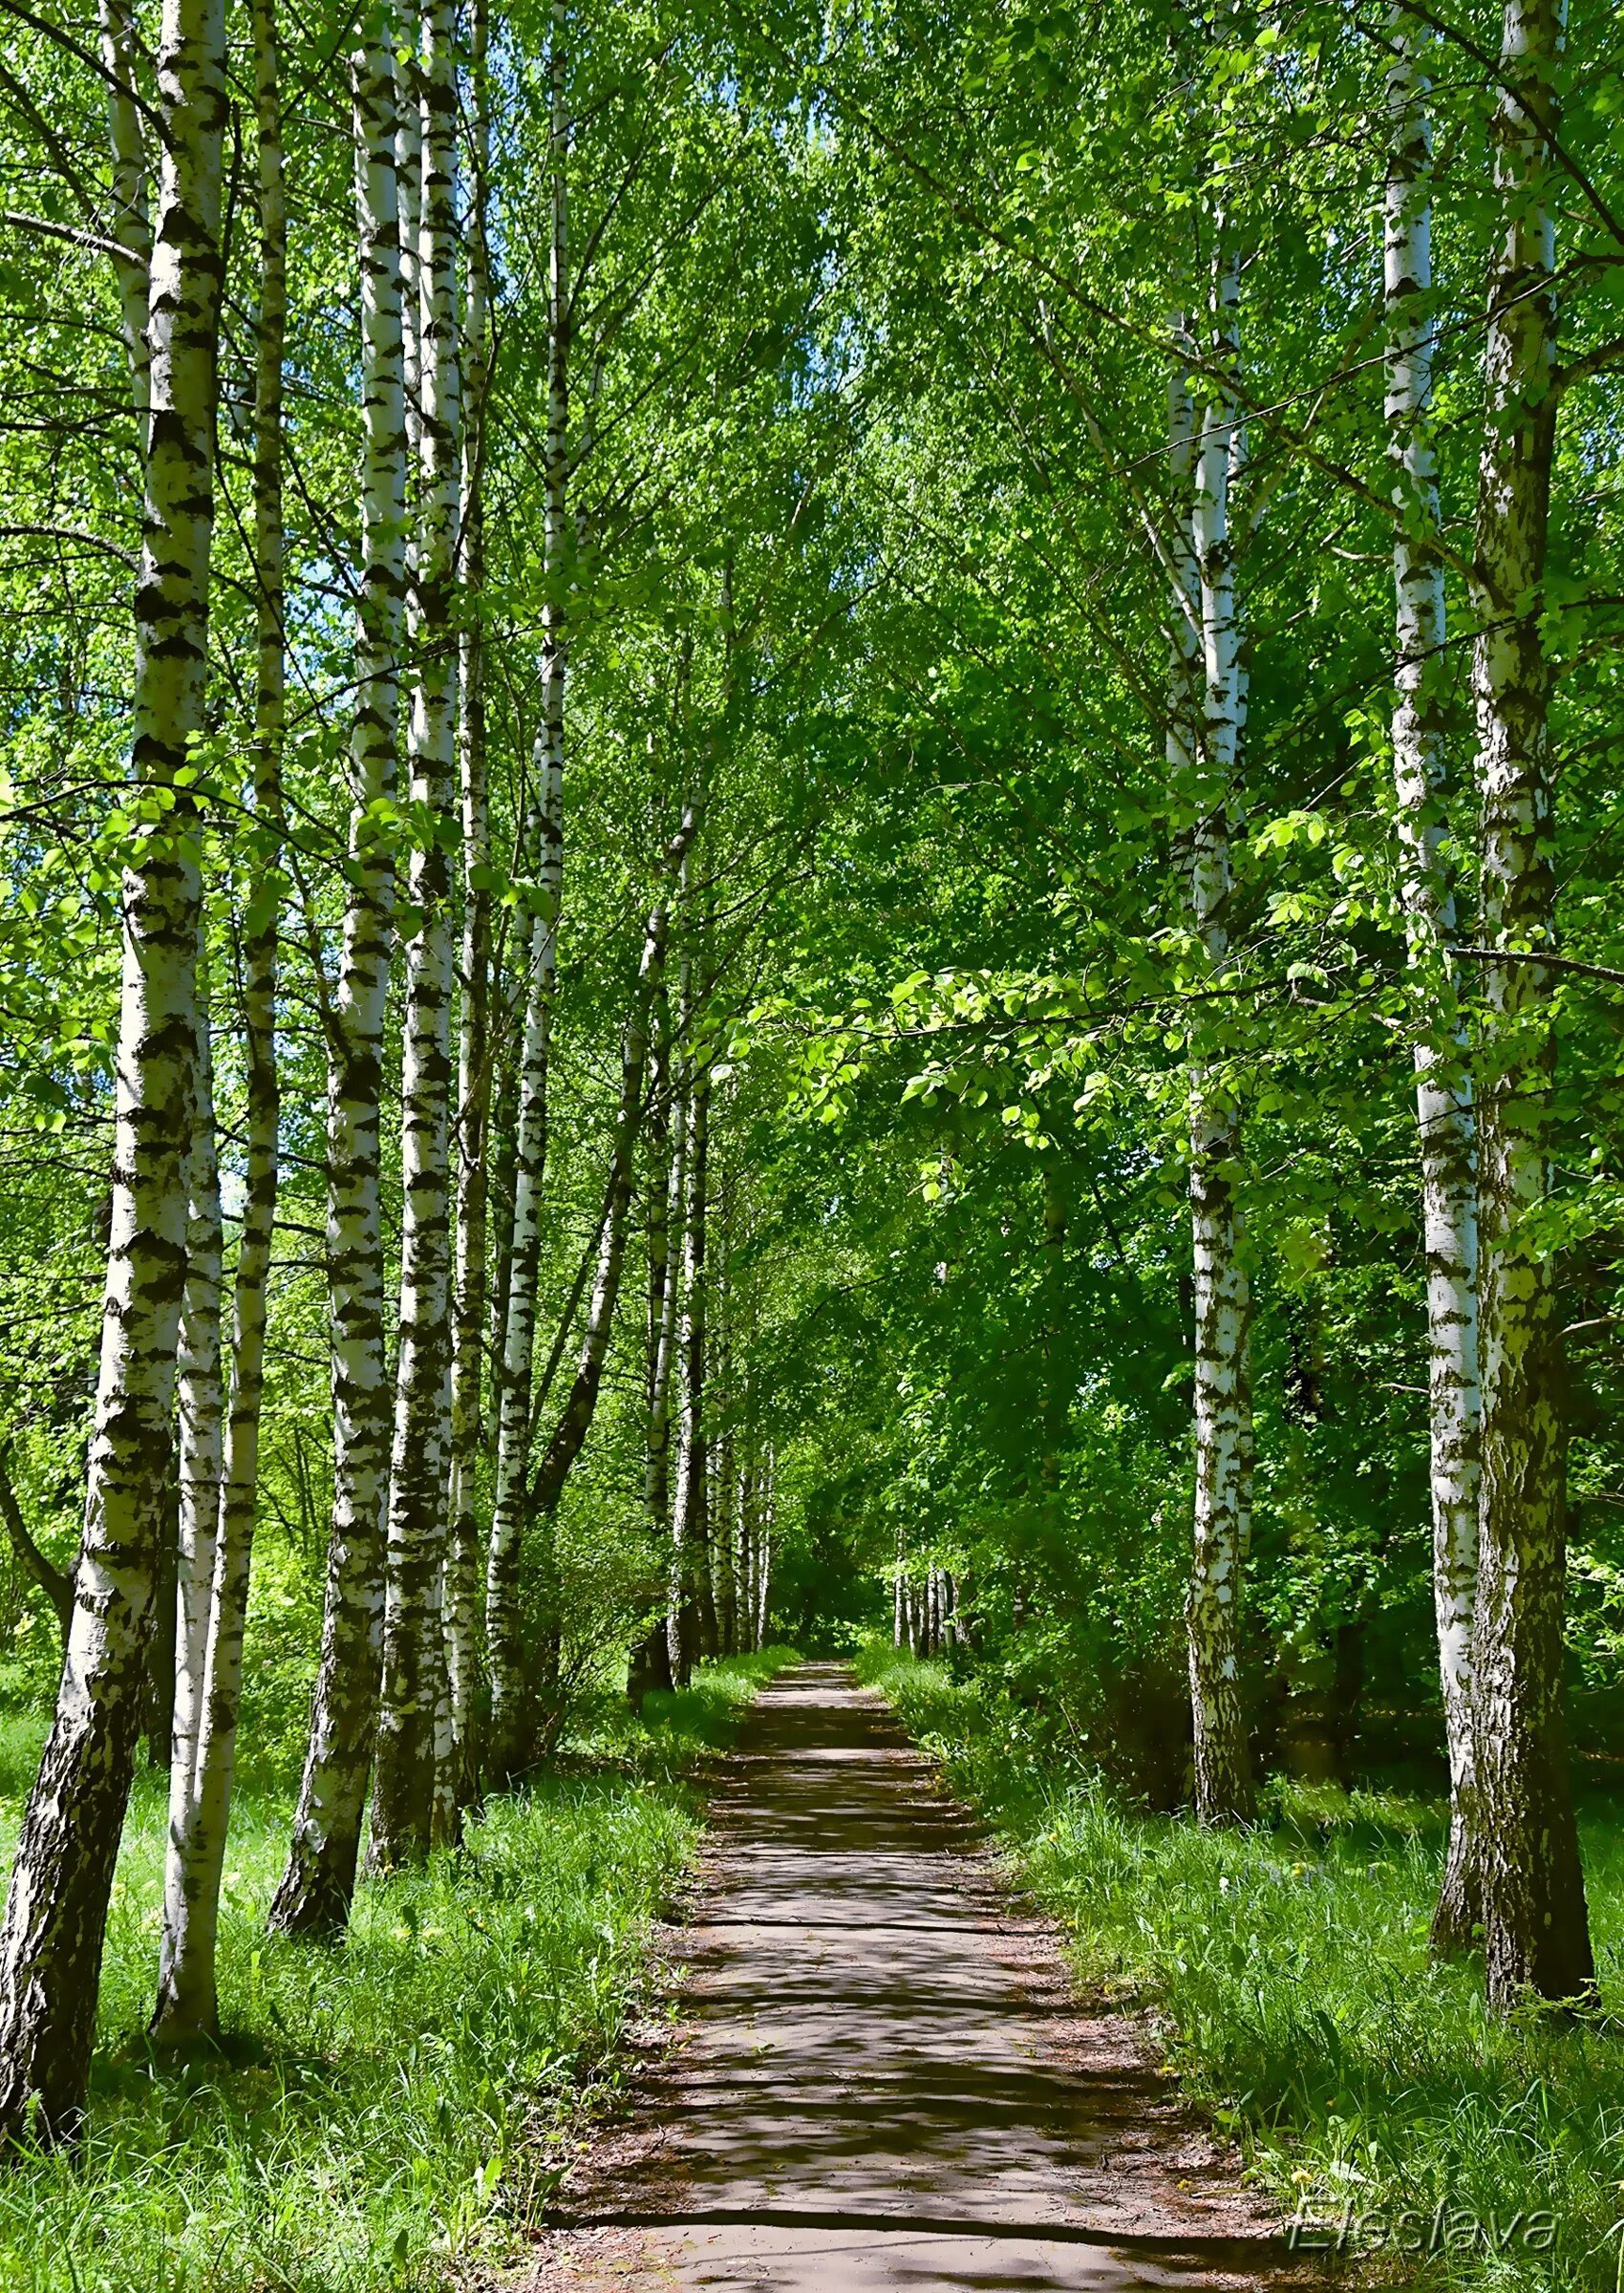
<point x="381" y="2113"/>
<point x="1288" y="1970"/>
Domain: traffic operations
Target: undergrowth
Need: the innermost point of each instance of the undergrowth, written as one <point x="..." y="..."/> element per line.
<point x="380" y="2114"/>
<point x="1288" y="1972"/>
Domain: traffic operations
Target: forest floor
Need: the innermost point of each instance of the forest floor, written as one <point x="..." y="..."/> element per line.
<point x="379" y="2116"/>
<point x="880" y="2074"/>
<point x="1286" y="1971"/>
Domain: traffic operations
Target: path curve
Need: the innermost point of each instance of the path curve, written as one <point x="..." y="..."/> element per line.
<point x="882" y="2078"/>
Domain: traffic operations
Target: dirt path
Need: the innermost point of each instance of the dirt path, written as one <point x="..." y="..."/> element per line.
<point x="882" y="2078"/>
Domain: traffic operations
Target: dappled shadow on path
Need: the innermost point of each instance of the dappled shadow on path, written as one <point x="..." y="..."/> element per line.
<point x="880" y="2077"/>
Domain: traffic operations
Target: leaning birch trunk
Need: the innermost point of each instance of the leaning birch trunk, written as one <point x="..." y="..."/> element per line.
<point x="687" y="1369"/>
<point x="314" y="1895"/>
<point x="403" y="1794"/>
<point x="679" y="1208"/>
<point x="55" y="1912"/>
<point x="575" y="1420"/>
<point x="200" y="1410"/>
<point x="1445" y="1117"/>
<point x="692" y="1506"/>
<point x="511" y="1718"/>
<point x="1223" y="1298"/>
<point x="651" y="1660"/>
<point x="472" y="1053"/>
<point x="131" y="225"/>
<point x="187" y="2000"/>
<point x="719" y="1508"/>
<point x="764" y="1561"/>
<point x="1536" y="1930"/>
<point x="408" y="191"/>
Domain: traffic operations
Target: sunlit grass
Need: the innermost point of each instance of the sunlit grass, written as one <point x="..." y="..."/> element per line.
<point x="1289" y="1975"/>
<point x="382" y="2113"/>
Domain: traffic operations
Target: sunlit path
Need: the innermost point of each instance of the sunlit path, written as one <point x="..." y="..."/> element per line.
<point x="880" y="2077"/>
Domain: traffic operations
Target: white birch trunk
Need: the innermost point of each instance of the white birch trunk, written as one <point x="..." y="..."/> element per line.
<point x="187" y="2005"/>
<point x="764" y="1560"/>
<point x="1223" y="1297"/>
<point x="512" y="1720"/>
<point x="665" y="1236"/>
<point x="55" y="1912"/>
<point x="131" y="229"/>
<point x="1445" y="1116"/>
<point x="473" y="1057"/>
<point x="409" y="183"/>
<point x="1535" y="1924"/>
<point x="403" y="1795"/>
<point x="316" y="1889"/>
<point x="200" y="1411"/>
<point x="689" y="1524"/>
<point x="575" y="1420"/>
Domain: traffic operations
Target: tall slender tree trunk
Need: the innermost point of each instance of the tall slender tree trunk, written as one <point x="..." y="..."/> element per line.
<point x="688" y="1508"/>
<point x="575" y="1420"/>
<point x="132" y="227"/>
<point x="512" y="1718"/>
<point x="719" y="1505"/>
<point x="1222" y="1296"/>
<point x="1533" y="1893"/>
<point x="651" y="1662"/>
<point x="316" y="1889"/>
<point x="1445" y="1116"/>
<point x="473" y="1057"/>
<point x="187" y="2000"/>
<point x="764" y="1554"/>
<point x="50" y="1943"/>
<point x="200" y="1413"/>
<point x="413" y="1680"/>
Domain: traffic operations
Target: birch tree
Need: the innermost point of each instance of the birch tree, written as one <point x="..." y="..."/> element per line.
<point x="575" y="1420"/>
<point x="1445" y="1116"/>
<point x="1221" y="1287"/>
<point x="667" y="1156"/>
<point x="463" y="1571"/>
<point x="187" y="2002"/>
<point x="127" y="148"/>
<point x="504" y="1622"/>
<point x="57" y="1907"/>
<point x="1533" y="1896"/>
<point x="414" y="1684"/>
<point x="315" y="1891"/>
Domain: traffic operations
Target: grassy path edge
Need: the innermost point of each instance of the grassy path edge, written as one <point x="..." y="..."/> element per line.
<point x="1287" y="1974"/>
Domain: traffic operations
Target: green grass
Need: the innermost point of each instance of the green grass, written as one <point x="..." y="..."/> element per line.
<point x="382" y="2114"/>
<point x="1287" y="1971"/>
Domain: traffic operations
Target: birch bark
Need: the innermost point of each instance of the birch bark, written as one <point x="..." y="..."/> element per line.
<point x="56" y="1912"/>
<point x="130" y="225"/>
<point x="403" y="1795"/>
<point x="1536" y="1929"/>
<point x="1222" y="1296"/>
<point x="652" y="1660"/>
<point x="1446" y="1118"/>
<point x="575" y="1420"/>
<point x="687" y="1404"/>
<point x="187" y="2002"/>
<point x="692" y="1506"/>
<point x="473" y="1055"/>
<point x="200" y="1413"/>
<point x="511" y="1721"/>
<point x="764" y="1554"/>
<point x="315" y="1891"/>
